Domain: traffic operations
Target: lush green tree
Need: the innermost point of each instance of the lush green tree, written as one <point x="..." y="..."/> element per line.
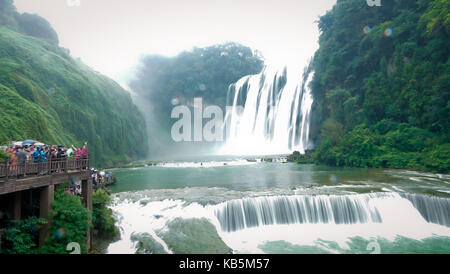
<point x="26" y="23"/>
<point x="201" y="72"/>
<point x="48" y="96"/>
<point x="20" y="237"/>
<point x="102" y="219"/>
<point x="34" y="25"/>
<point x="383" y="74"/>
<point x="69" y="222"/>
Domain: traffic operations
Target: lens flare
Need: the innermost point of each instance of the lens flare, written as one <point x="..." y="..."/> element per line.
<point x="367" y="29"/>
<point x="389" y="32"/>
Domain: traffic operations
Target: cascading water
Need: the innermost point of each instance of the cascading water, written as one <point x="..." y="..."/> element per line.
<point x="269" y="113"/>
<point x="246" y="224"/>
<point x="433" y="209"/>
<point x="254" y="212"/>
<point x="327" y="209"/>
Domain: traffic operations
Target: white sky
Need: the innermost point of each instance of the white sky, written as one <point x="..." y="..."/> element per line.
<point x="110" y="35"/>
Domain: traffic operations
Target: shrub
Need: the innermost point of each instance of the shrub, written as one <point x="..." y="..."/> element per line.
<point x="20" y="237"/>
<point x="69" y="223"/>
<point x="102" y="219"/>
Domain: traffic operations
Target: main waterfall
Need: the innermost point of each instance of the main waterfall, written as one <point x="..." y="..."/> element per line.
<point x="269" y="113"/>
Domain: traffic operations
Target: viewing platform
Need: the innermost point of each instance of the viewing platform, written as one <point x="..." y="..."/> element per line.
<point x="19" y="181"/>
<point x="31" y="175"/>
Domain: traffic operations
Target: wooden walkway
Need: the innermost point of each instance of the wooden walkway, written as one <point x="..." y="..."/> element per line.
<point x="30" y="175"/>
<point x="43" y="176"/>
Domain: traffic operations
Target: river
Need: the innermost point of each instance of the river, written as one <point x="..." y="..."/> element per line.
<point x="240" y="206"/>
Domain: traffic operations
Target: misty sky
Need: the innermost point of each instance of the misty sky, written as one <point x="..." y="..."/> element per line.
<point x="110" y="35"/>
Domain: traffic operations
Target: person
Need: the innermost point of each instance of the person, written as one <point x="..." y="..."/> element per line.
<point x="37" y="158"/>
<point x="37" y="155"/>
<point x="84" y="152"/>
<point x="78" y="190"/>
<point x="76" y="151"/>
<point x="69" y="152"/>
<point x="94" y="183"/>
<point x="30" y="151"/>
<point x="61" y="156"/>
<point x="11" y="151"/>
<point x="45" y="154"/>
<point x="14" y="161"/>
<point x="22" y="158"/>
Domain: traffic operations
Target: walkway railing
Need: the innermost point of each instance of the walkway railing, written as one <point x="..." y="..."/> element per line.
<point x="10" y="171"/>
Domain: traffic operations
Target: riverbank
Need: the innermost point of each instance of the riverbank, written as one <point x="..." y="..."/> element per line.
<point x="398" y="162"/>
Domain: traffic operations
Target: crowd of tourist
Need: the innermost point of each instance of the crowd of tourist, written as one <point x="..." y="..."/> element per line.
<point x="99" y="180"/>
<point x="20" y="153"/>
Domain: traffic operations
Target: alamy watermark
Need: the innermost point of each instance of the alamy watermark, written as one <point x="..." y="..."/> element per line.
<point x="374" y="246"/>
<point x="74" y="248"/>
<point x="373" y="3"/>
<point x="191" y="127"/>
<point x="73" y="3"/>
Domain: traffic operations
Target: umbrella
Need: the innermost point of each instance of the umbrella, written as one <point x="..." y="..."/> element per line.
<point x="39" y="144"/>
<point x="28" y="142"/>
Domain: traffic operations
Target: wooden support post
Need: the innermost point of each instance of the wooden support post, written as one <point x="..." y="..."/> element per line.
<point x="7" y="169"/>
<point x="17" y="206"/>
<point x="47" y="197"/>
<point x="86" y="188"/>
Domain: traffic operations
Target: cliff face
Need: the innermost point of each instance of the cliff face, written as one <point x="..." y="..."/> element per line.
<point x="47" y="95"/>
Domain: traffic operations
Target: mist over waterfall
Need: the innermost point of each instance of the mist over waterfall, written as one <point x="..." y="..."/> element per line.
<point x="269" y="113"/>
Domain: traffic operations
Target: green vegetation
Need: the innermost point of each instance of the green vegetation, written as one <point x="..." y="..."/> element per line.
<point x="48" y="96"/>
<point x="3" y="156"/>
<point x="20" y="237"/>
<point x="162" y="82"/>
<point x="139" y="164"/>
<point x="102" y="220"/>
<point x="199" y="236"/>
<point x="29" y="24"/>
<point x="200" y="72"/>
<point x="298" y="158"/>
<point x="382" y="95"/>
<point x="146" y="244"/>
<point x="69" y="222"/>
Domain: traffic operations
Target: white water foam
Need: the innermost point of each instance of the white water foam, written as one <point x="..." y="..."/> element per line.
<point x="398" y="216"/>
<point x="209" y="164"/>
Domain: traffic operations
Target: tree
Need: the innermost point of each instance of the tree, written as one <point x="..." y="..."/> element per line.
<point x="381" y="86"/>
<point x="69" y="223"/>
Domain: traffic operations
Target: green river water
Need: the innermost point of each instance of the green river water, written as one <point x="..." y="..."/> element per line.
<point x="238" y="206"/>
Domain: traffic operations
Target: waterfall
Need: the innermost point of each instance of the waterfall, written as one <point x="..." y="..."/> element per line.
<point x="328" y="209"/>
<point x="269" y="113"/>
<point x="433" y="209"/>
